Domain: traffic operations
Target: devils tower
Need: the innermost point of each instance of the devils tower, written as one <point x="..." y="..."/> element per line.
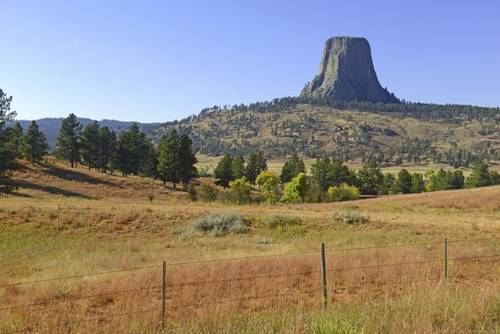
<point x="347" y="73"/>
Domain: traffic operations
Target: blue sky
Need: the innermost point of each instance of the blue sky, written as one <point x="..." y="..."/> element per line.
<point x="163" y="60"/>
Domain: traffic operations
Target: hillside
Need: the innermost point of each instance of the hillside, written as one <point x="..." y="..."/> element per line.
<point x="441" y="134"/>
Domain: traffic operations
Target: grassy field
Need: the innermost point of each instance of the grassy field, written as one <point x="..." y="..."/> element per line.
<point x="275" y="165"/>
<point x="70" y="223"/>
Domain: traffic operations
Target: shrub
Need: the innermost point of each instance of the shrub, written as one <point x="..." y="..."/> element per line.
<point x="220" y="224"/>
<point x="344" y="192"/>
<point x="193" y="194"/>
<point x="207" y="192"/>
<point x="296" y="189"/>
<point x="351" y="217"/>
<point x="279" y="221"/>
<point x="240" y="190"/>
<point x="269" y="185"/>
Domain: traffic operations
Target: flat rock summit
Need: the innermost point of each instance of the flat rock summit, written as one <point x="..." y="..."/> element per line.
<point x="347" y="73"/>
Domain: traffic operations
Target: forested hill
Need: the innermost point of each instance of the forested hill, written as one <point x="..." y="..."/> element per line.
<point x="50" y="126"/>
<point x="456" y="134"/>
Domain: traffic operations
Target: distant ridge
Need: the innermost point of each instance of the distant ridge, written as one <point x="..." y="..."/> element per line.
<point x="50" y="126"/>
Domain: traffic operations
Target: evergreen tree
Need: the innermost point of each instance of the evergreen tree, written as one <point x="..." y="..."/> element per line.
<point x="15" y="140"/>
<point x="223" y="172"/>
<point x="149" y="161"/>
<point x="417" y="183"/>
<point x="68" y="142"/>
<point x="455" y="179"/>
<point x="34" y="144"/>
<point x="319" y="174"/>
<point x="370" y="178"/>
<point x="256" y="164"/>
<point x="89" y="147"/>
<point x="480" y="176"/>
<point x="132" y="149"/>
<point x="387" y="186"/>
<point x="7" y="156"/>
<point x="438" y="181"/>
<point x="168" y="158"/>
<point x="106" y="142"/>
<point x="292" y="168"/>
<point x="403" y="182"/>
<point x="238" y="167"/>
<point x="187" y="161"/>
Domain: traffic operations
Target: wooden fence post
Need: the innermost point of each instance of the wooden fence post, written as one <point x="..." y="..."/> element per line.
<point x="323" y="266"/>
<point x="164" y="295"/>
<point x="446" y="258"/>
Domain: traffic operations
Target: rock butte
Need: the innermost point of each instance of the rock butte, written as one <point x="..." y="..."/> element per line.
<point x="347" y="73"/>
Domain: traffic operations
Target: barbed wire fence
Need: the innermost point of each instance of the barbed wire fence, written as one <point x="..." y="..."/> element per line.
<point x="328" y="283"/>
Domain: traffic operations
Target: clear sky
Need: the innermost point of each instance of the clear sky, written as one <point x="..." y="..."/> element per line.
<point x="162" y="60"/>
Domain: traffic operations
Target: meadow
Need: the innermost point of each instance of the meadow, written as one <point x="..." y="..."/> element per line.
<point x="107" y="236"/>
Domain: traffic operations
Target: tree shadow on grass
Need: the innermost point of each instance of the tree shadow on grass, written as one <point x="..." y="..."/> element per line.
<point x="49" y="189"/>
<point x="73" y="175"/>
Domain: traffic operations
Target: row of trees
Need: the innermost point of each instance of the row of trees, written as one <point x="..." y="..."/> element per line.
<point x="229" y="169"/>
<point x="131" y="152"/>
<point x="331" y="180"/>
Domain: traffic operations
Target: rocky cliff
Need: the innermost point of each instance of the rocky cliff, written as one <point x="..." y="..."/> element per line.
<point x="347" y="73"/>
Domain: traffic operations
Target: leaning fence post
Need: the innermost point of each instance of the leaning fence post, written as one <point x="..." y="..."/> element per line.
<point x="323" y="262"/>
<point x="164" y="295"/>
<point x="446" y="258"/>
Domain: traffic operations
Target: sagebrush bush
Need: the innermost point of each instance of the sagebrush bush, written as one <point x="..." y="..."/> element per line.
<point x="221" y="224"/>
<point x="280" y="221"/>
<point x="344" y="192"/>
<point x="351" y="217"/>
<point x="207" y="192"/>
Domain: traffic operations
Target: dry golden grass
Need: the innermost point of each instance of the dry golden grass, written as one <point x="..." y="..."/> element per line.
<point x="46" y="234"/>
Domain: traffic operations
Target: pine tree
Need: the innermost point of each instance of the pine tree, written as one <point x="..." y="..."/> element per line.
<point x="238" y="167"/>
<point x="223" y="171"/>
<point x="256" y="164"/>
<point x="168" y="159"/>
<point x="68" y="142"/>
<point x="132" y="149"/>
<point x="187" y="161"/>
<point x="370" y="178"/>
<point x="15" y="140"/>
<point x="480" y="176"/>
<point x="106" y="141"/>
<point x="292" y="168"/>
<point x="34" y="144"/>
<point x="403" y="183"/>
<point x="7" y="156"/>
<point x="90" y="145"/>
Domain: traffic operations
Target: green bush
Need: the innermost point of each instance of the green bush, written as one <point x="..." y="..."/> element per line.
<point x="240" y="190"/>
<point x="344" y="192"/>
<point x="220" y="224"/>
<point x="207" y="192"/>
<point x="280" y="221"/>
<point x="351" y="217"/>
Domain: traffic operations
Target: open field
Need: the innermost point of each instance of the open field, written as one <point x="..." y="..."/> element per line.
<point x="275" y="165"/>
<point x="71" y="223"/>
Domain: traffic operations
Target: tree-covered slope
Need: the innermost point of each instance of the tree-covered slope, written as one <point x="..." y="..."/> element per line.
<point x="349" y="131"/>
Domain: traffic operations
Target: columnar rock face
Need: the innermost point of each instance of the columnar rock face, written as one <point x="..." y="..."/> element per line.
<point x="347" y="73"/>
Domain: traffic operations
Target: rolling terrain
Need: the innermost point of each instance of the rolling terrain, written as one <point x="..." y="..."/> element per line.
<point x="68" y="223"/>
<point x="280" y="129"/>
